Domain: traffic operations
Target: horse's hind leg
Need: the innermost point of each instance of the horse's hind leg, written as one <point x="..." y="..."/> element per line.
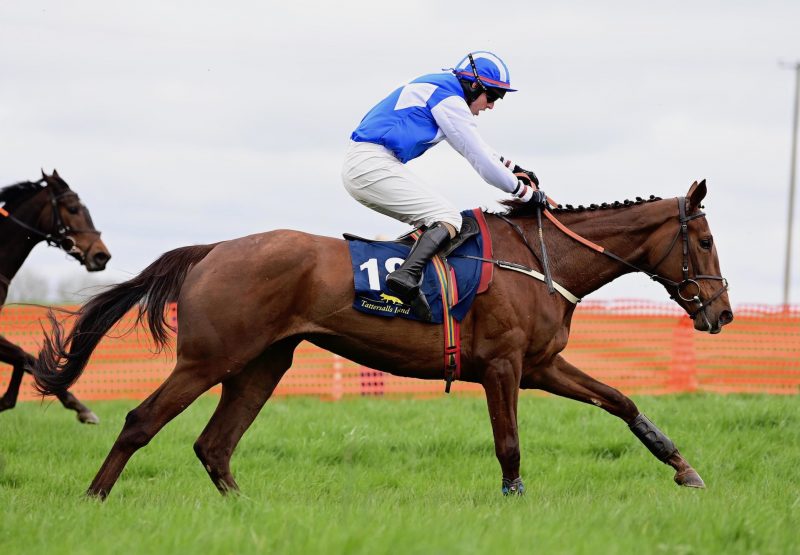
<point x="188" y="381"/>
<point x="565" y="380"/>
<point x="242" y="398"/>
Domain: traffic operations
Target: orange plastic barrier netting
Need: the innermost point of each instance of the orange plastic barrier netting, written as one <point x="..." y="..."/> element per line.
<point x="636" y="346"/>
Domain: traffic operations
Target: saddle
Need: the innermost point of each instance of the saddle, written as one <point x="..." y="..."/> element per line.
<point x="450" y="281"/>
<point x="372" y="260"/>
<point x="469" y="229"/>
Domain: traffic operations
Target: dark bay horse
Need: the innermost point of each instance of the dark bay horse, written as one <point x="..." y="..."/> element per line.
<point x="32" y="212"/>
<point x="245" y="304"/>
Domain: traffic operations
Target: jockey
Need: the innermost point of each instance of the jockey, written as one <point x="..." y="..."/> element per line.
<point x="412" y="119"/>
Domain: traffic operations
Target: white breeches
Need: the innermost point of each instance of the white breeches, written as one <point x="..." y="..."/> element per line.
<point x="375" y="178"/>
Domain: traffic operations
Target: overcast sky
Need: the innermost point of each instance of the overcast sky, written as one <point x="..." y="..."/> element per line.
<point x="191" y="122"/>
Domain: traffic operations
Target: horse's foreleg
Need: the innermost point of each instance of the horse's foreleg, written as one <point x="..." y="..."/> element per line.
<point x="187" y="382"/>
<point x="9" y="398"/>
<point x="84" y="413"/>
<point x="17" y="358"/>
<point x="563" y="379"/>
<point x="242" y="398"/>
<point x="501" y="383"/>
<point x="21" y="361"/>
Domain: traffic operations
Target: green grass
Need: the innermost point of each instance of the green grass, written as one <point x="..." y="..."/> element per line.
<point x="402" y="476"/>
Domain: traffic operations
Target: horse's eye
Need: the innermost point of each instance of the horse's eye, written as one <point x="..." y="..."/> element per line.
<point x="706" y="243"/>
<point x="73" y="209"/>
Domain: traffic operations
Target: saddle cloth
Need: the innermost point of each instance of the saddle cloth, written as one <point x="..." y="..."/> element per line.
<point x="373" y="260"/>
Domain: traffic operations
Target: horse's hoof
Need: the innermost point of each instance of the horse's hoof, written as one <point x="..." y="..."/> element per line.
<point x="96" y="494"/>
<point x="228" y="490"/>
<point x="689" y="478"/>
<point x="6" y="405"/>
<point x="513" y="487"/>
<point x="88" y="417"/>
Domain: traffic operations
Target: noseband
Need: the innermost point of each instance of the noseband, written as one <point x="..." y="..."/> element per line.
<point x="60" y="237"/>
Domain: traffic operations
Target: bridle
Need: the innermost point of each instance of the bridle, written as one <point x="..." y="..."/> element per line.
<point x="688" y="289"/>
<point x="60" y="237"/>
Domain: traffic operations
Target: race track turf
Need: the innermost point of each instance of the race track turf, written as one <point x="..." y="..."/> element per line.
<point x="377" y="476"/>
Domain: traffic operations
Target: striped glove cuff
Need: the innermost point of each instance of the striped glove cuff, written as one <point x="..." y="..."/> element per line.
<point x="523" y="192"/>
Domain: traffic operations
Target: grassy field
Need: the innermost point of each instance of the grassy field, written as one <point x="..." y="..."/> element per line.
<point x="402" y="476"/>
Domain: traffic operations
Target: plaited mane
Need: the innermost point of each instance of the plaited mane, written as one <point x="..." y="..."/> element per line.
<point x="516" y="208"/>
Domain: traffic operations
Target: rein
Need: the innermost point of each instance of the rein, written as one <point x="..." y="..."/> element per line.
<point x="687" y="289"/>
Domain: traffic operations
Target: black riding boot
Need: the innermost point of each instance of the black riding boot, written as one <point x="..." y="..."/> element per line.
<point x="406" y="280"/>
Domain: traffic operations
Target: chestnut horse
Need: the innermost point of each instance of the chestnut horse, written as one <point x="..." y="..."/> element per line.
<point x="245" y="304"/>
<point x="32" y="212"/>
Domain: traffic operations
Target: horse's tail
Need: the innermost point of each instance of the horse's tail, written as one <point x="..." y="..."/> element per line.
<point x="63" y="357"/>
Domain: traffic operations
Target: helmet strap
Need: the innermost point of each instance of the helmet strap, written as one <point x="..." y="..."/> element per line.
<point x="475" y="72"/>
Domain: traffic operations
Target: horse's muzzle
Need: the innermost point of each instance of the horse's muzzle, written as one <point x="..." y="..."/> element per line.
<point x="97" y="262"/>
<point x="96" y="258"/>
<point x="703" y="323"/>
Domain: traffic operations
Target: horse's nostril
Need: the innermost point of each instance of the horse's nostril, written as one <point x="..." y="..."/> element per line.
<point x="101" y="258"/>
<point x="726" y="317"/>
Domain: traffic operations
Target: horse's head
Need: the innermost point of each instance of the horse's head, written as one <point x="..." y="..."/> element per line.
<point x="69" y="226"/>
<point x="687" y="265"/>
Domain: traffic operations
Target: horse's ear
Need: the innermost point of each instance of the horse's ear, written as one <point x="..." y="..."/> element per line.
<point x="47" y="179"/>
<point x="44" y="175"/>
<point x="55" y="174"/>
<point x="697" y="192"/>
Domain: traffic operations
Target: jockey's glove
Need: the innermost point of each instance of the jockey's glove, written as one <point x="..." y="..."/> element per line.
<point x="529" y="173"/>
<point x="539" y="197"/>
<point x="527" y="193"/>
<point x="517" y="170"/>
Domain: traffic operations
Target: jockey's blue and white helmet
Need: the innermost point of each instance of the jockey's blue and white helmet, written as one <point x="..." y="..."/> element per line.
<point x="491" y="70"/>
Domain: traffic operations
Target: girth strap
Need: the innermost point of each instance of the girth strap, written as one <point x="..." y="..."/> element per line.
<point x="452" y="330"/>
<point x="446" y="277"/>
